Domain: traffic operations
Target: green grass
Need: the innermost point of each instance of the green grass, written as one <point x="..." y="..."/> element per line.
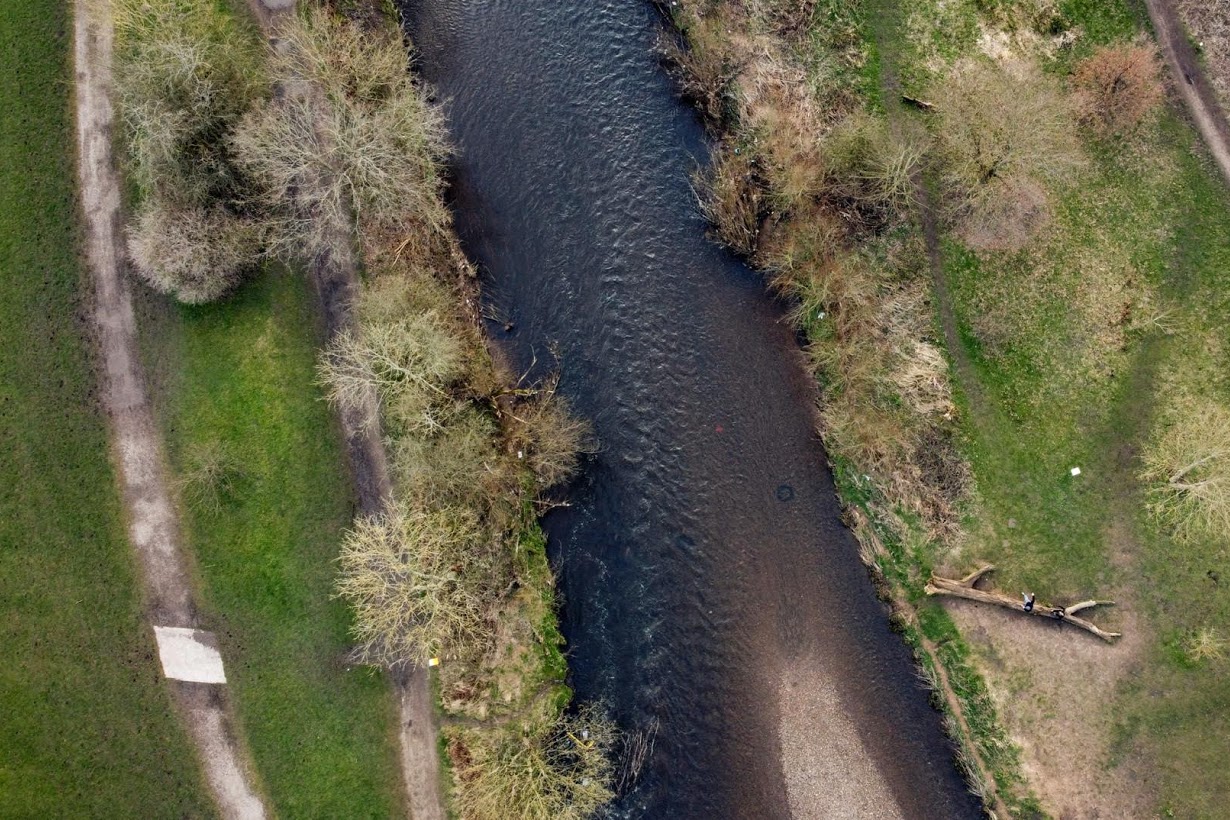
<point x="86" y="725"/>
<point x="240" y="374"/>
<point x="1057" y="397"/>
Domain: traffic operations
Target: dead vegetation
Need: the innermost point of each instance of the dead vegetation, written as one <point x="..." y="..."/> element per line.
<point x="1118" y="87"/>
<point x="802" y="179"/>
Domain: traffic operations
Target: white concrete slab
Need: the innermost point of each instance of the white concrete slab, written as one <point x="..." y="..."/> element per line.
<point x="189" y="655"/>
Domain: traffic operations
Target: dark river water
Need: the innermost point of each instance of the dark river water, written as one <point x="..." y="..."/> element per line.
<point x="704" y="570"/>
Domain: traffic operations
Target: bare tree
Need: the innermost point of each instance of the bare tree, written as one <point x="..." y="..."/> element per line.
<point x="407" y="576"/>
<point x="1002" y="135"/>
<point x="352" y="137"/>
<point x="406" y="365"/>
<point x="1187" y="465"/>
<point x="1118" y="87"/>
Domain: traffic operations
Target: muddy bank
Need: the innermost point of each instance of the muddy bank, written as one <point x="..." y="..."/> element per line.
<point x="709" y="586"/>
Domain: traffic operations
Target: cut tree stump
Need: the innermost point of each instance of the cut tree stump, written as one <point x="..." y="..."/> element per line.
<point x="966" y="588"/>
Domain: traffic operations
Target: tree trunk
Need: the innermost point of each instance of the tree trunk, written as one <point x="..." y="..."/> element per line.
<point x="965" y="588"/>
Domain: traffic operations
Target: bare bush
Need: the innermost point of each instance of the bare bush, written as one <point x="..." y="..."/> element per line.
<point x="410" y="577"/>
<point x="352" y="138"/>
<point x="1118" y="86"/>
<point x="1002" y="135"/>
<point x="184" y="75"/>
<point x="550" y="438"/>
<point x="1187" y="466"/>
<point x="556" y="771"/>
<point x="195" y="253"/>
<point x="459" y="464"/>
<point x="406" y="365"/>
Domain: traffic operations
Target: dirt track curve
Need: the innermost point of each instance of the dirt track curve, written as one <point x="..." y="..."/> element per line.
<point x="1192" y="83"/>
<point x="153" y="526"/>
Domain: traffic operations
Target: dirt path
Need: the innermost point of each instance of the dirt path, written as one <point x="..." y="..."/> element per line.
<point x="1190" y="81"/>
<point x="336" y="279"/>
<point x="153" y="527"/>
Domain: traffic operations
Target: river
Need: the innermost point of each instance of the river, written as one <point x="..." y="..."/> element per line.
<point x="708" y="585"/>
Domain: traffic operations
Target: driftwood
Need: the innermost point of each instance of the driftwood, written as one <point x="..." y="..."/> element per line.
<point x="966" y="588"/>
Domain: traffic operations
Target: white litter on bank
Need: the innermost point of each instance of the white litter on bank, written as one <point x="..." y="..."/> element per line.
<point x="1076" y="471"/>
<point x="189" y="655"/>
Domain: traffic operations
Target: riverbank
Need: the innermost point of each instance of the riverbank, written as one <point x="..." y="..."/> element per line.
<point x="355" y="183"/>
<point x="1064" y="343"/>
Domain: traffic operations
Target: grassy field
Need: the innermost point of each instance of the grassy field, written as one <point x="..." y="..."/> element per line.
<point x="88" y="728"/>
<point x="1080" y="343"/>
<point x="236" y="379"/>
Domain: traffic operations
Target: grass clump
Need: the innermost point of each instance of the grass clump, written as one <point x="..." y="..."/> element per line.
<point x="185" y="74"/>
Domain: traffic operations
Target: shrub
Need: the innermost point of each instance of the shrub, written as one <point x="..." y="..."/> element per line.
<point x="410" y="577"/>
<point x="1187" y="465"/>
<point x="197" y="253"/>
<point x="352" y="139"/>
<point x="1001" y="136"/>
<point x="551" y="771"/>
<point x="550" y="438"/>
<point x="1117" y="87"/>
<point x="184" y="75"/>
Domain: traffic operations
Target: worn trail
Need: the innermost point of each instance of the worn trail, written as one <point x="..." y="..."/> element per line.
<point x="336" y="278"/>
<point x="1191" y="82"/>
<point x="153" y="525"/>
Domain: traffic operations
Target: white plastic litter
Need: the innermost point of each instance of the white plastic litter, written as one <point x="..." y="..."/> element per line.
<point x="189" y="655"/>
<point x="1076" y="471"/>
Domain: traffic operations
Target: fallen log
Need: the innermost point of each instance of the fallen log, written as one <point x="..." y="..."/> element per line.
<point x="917" y="103"/>
<point x="966" y="588"/>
